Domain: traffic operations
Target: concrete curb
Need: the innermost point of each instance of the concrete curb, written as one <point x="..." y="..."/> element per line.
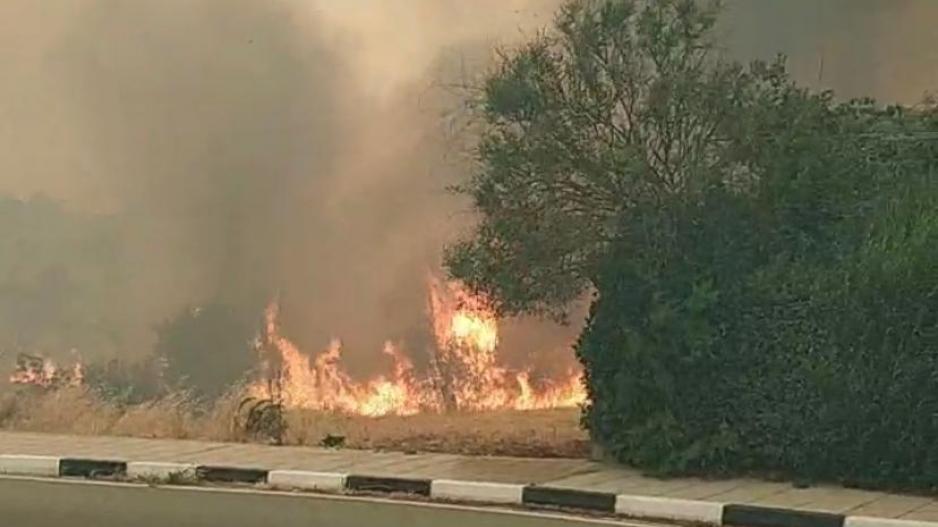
<point x="671" y="509"/>
<point x="631" y="506"/>
<point x="30" y="465"/>
<point x="91" y="468"/>
<point x="213" y="474"/>
<point x="418" y="487"/>
<point x="160" y="471"/>
<point x="868" y="521"/>
<point x="300" y="480"/>
<point x="755" y="516"/>
<point x="569" y="499"/>
<point x="476" y="492"/>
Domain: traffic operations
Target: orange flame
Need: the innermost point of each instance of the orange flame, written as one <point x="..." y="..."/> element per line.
<point x="322" y="384"/>
<point x="465" y="374"/>
<point x="38" y="371"/>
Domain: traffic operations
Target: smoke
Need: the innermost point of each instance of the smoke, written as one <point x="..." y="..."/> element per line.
<point x="858" y="48"/>
<point x="252" y="149"/>
<point x="295" y="148"/>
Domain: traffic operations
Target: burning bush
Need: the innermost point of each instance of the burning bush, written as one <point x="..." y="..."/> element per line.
<point x="465" y="372"/>
<point x="34" y="370"/>
<point x="200" y="353"/>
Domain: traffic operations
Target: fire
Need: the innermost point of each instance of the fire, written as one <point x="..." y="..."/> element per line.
<point x="465" y="373"/>
<point x="38" y="371"/>
<point x="321" y="383"/>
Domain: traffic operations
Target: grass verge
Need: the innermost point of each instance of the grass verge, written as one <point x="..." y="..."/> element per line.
<point x="549" y="433"/>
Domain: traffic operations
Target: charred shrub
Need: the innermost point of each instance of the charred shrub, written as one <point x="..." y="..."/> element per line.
<point x="206" y="349"/>
<point x="126" y="382"/>
<point x="261" y="419"/>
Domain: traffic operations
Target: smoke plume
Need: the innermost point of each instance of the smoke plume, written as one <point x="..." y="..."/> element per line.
<point x="250" y="149"/>
<point x="295" y="148"/>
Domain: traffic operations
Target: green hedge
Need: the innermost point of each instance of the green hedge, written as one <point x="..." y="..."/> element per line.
<point x="789" y="330"/>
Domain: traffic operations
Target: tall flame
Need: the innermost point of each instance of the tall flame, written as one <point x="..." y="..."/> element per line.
<point x="465" y="372"/>
<point x="321" y="383"/>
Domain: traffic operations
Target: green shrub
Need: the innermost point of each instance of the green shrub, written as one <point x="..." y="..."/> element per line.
<point x="782" y="331"/>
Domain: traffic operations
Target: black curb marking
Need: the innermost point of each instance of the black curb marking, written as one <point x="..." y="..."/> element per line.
<point x="379" y="484"/>
<point x="575" y="499"/>
<point x="91" y="468"/>
<point x="753" y="516"/>
<point x="231" y="475"/>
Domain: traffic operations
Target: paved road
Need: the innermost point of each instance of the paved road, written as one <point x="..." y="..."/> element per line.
<point x="26" y="502"/>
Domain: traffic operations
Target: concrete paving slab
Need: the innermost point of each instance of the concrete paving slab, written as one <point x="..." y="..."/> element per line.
<point x="838" y="500"/>
<point x="788" y="499"/>
<point x="591" y="479"/>
<point x="645" y="486"/>
<point x="701" y="489"/>
<point x="750" y="491"/>
<point x="891" y="506"/>
<point x="926" y="514"/>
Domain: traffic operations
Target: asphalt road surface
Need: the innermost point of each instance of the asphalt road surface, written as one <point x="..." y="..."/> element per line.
<point x="27" y="502"/>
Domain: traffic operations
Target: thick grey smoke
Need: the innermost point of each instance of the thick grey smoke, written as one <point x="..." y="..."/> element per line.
<point x="214" y="127"/>
<point x="249" y="150"/>
<point x="254" y="148"/>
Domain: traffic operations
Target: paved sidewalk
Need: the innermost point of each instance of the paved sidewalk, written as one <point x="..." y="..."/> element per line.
<point x="561" y="473"/>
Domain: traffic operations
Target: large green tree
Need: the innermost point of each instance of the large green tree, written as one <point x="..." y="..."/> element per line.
<point x="625" y="104"/>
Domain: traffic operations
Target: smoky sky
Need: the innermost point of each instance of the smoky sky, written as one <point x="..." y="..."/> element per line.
<point x="251" y="150"/>
<point x="296" y="149"/>
<point x="858" y="48"/>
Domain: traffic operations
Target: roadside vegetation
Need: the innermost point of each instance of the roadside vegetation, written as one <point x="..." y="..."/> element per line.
<point x="761" y="256"/>
<point x="82" y="411"/>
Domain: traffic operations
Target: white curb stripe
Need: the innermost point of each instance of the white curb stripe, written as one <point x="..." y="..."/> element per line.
<point x="30" y="465"/>
<point x="297" y="479"/>
<point x="867" y="521"/>
<point x="710" y="513"/>
<point x="146" y="469"/>
<point x="473" y="491"/>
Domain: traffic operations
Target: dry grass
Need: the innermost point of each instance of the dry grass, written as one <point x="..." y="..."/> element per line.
<point x="552" y="433"/>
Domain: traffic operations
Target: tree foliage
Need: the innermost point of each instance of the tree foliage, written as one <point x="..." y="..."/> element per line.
<point x="625" y="105"/>
<point x="761" y="255"/>
<point x="790" y="329"/>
